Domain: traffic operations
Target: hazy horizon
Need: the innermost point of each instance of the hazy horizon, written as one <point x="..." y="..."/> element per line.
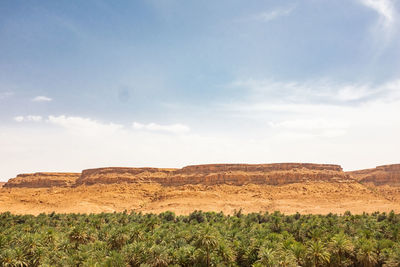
<point x="174" y="83"/>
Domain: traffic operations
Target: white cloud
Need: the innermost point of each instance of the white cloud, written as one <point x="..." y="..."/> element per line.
<point x="358" y="136"/>
<point x="90" y="127"/>
<point x="385" y="9"/>
<point x="386" y="25"/>
<point x="172" y="128"/>
<point x="320" y="91"/>
<point x="42" y="98"/>
<point x="310" y="124"/>
<point x="319" y="111"/>
<point x="4" y="95"/>
<point x="310" y="127"/>
<point x="19" y="118"/>
<point x="274" y="14"/>
<point x="84" y="126"/>
<point x="351" y="92"/>
<point x="33" y="118"/>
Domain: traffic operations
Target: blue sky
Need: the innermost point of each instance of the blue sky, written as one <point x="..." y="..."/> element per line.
<point x="167" y="83"/>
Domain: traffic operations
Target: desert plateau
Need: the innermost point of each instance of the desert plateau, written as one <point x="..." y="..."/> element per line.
<point x="285" y="187"/>
<point x="154" y="133"/>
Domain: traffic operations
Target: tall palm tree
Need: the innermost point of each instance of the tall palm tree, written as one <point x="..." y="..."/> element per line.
<point x="226" y="253"/>
<point x="298" y="251"/>
<point x="340" y="246"/>
<point x="366" y="254"/>
<point x="317" y="253"/>
<point x="207" y="241"/>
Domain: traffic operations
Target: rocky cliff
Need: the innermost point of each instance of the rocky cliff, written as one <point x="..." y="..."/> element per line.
<point x="209" y="174"/>
<point x="381" y="175"/>
<point x="43" y="179"/>
<point x="1" y="184"/>
<point x="212" y="174"/>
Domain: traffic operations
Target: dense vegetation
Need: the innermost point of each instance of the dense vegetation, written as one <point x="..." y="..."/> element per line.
<point x="200" y="239"/>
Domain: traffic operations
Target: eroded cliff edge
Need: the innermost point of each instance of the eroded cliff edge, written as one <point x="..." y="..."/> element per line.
<point x="213" y="174"/>
<point x="43" y="179"/>
<point x="381" y="175"/>
<point x="209" y="174"/>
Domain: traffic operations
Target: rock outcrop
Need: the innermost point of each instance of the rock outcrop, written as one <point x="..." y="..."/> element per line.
<point x="43" y="179"/>
<point x="1" y="184"/>
<point x="213" y="174"/>
<point x="381" y="175"/>
<point x="209" y="174"/>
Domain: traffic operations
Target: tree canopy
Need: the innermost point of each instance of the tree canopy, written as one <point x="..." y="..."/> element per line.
<point x="200" y="239"/>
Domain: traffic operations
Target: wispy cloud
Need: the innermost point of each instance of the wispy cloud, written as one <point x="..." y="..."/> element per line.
<point x="41" y="98"/>
<point x="311" y="124"/>
<point x="4" y="95"/>
<point x="90" y="127"/>
<point x="33" y="118"/>
<point x="314" y="109"/>
<point x="386" y="25"/>
<point x="316" y="91"/>
<point x="84" y="126"/>
<point x="311" y="127"/>
<point x="171" y="128"/>
<point x="273" y="14"/>
<point x="385" y="9"/>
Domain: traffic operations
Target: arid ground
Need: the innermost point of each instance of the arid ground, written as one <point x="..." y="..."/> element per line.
<point x="314" y="197"/>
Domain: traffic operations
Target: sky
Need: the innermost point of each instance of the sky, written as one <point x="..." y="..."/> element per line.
<point x="169" y="83"/>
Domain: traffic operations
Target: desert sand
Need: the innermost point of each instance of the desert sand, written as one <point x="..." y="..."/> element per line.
<point x="313" y="198"/>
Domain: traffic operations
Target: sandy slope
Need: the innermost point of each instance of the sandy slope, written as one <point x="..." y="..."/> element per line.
<point x="313" y="197"/>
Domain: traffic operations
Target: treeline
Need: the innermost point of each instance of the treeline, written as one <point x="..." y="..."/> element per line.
<point x="200" y="239"/>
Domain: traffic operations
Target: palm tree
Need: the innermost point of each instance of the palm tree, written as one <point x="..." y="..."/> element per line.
<point x="286" y="258"/>
<point x="393" y="259"/>
<point x="267" y="257"/>
<point x="158" y="257"/>
<point x="135" y="253"/>
<point x="185" y="256"/>
<point x="366" y="254"/>
<point x="6" y="258"/>
<point x="19" y="258"/>
<point x="317" y="253"/>
<point x="78" y="236"/>
<point x="114" y="260"/>
<point x="226" y="253"/>
<point x="13" y="258"/>
<point x="207" y="241"/>
<point x="340" y="247"/>
<point x="118" y="239"/>
<point x="298" y="251"/>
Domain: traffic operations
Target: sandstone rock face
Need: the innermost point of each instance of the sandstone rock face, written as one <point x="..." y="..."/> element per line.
<point x="207" y="168"/>
<point x="1" y="184"/>
<point x="121" y="175"/>
<point x="213" y="174"/>
<point x="381" y="175"/>
<point x="43" y="179"/>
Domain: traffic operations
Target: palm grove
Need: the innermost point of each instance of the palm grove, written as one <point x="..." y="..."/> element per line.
<point x="200" y="239"/>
